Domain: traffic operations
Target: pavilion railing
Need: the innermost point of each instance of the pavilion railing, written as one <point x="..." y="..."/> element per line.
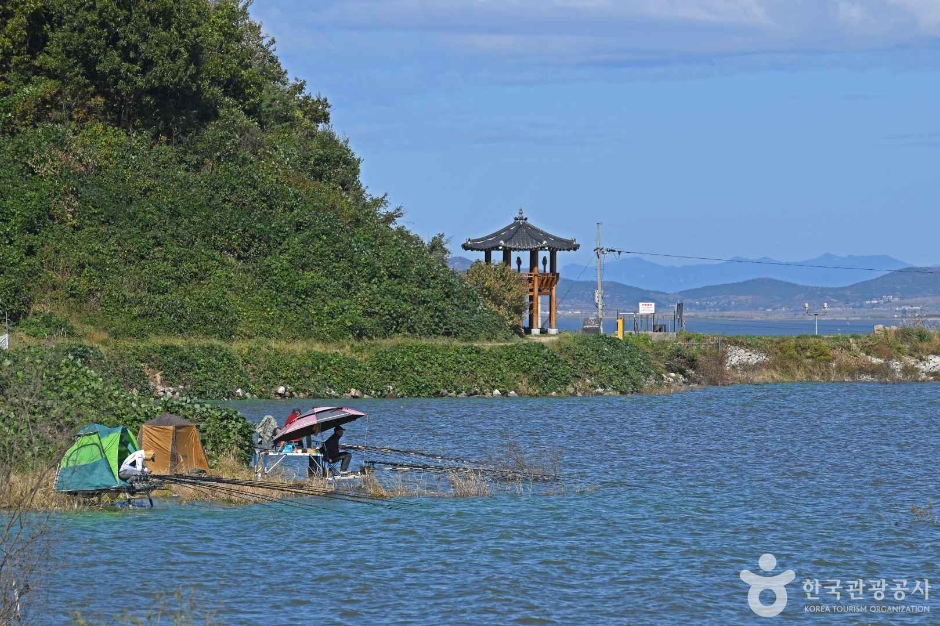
<point x="547" y="280"/>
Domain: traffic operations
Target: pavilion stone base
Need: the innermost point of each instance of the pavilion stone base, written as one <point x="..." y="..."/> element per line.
<point x="535" y="331"/>
<point x="552" y="331"/>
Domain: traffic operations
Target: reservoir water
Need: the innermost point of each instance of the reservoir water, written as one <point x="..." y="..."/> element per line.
<point x="667" y="499"/>
<point x="729" y="326"/>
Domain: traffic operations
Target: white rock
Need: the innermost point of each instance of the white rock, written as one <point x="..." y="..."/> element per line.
<point x="281" y="390"/>
<point x="512" y="394"/>
<point x="737" y="356"/>
<point x="496" y="393"/>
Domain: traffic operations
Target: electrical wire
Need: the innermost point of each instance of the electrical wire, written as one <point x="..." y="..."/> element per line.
<point x="573" y="285"/>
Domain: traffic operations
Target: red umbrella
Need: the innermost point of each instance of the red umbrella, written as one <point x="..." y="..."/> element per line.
<point x="317" y="420"/>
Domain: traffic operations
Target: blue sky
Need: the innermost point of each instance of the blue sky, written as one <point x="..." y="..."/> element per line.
<point x="782" y="128"/>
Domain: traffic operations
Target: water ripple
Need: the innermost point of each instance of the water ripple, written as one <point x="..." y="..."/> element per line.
<point x="690" y="489"/>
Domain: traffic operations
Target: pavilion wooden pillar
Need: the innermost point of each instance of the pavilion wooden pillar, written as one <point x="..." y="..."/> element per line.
<point x="488" y="257"/>
<point x="552" y="301"/>
<point x="534" y="321"/>
<point x="507" y="257"/>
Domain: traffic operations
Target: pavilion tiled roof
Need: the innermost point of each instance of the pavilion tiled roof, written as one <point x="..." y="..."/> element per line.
<point x="521" y="235"/>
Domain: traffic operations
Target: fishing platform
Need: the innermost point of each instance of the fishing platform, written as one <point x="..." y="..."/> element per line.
<point x="298" y="442"/>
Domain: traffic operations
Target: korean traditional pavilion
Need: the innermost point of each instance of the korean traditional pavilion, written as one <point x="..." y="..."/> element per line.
<point x="521" y="235"/>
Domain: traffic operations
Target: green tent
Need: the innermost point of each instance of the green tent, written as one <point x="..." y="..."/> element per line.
<point x="92" y="463"/>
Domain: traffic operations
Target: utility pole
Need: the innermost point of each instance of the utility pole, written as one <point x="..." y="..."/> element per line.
<point x="599" y="294"/>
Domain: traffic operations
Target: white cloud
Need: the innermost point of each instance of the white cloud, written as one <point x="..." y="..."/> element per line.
<point x="926" y="12"/>
<point x="852" y="13"/>
<point x="746" y="26"/>
<point x="519" y="38"/>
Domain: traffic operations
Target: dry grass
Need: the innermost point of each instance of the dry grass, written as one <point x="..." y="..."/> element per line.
<point x="180" y="609"/>
<point x="397" y="488"/>
<point x="229" y="467"/>
<point x="468" y="484"/>
<point x="665" y="389"/>
<point x="513" y="464"/>
<point x="924" y="513"/>
<point x="33" y="492"/>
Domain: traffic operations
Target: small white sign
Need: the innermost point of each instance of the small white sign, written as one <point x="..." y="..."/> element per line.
<point x="647" y="308"/>
<point x="4" y="342"/>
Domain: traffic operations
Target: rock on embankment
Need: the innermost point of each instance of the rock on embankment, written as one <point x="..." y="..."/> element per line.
<point x="737" y="356"/>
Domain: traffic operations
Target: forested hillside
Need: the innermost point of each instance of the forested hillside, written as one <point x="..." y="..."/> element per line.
<point x="160" y="174"/>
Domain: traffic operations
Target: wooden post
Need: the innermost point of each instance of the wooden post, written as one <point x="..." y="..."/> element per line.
<point x="488" y="256"/>
<point x="507" y="257"/>
<point x="534" y="322"/>
<point x="553" y="262"/>
<point x="553" y="310"/>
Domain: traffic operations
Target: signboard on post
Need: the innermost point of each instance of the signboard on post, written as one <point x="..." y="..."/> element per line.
<point x="647" y="308"/>
<point x="591" y="326"/>
<point x="4" y="342"/>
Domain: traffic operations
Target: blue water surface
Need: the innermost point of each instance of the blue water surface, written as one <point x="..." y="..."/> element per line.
<point x="664" y="500"/>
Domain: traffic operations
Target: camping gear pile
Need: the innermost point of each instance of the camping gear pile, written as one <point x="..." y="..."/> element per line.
<point x="174" y="452"/>
<point x="90" y="468"/>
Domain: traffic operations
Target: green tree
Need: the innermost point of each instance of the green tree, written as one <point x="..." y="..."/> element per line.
<point x="437" y="247"/>
<point x="165" y="66"/>
<point x="160" y="174"/>
<point x="502" y="289"/>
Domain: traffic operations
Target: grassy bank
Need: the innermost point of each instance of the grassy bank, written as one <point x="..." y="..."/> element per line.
<point x="905" y="354"/>
<point x="402" y="368"/>
<point x="570" y="365"/>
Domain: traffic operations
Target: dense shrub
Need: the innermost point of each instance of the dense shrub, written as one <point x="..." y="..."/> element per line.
<point x="502" y="289"/>
<point x="46" y="394"/>
<point x="608" y="363"/>
<point x="804" y="348"/>
<point x="43" y="325"/>
<point x="159" y="174"/>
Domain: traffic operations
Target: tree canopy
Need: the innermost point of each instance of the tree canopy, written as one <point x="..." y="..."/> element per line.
<point x="161" y="174"/>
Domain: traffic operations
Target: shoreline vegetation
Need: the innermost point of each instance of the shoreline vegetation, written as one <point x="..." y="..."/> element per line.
<point x="49" y="388"/>
<point x="180" y="371"/>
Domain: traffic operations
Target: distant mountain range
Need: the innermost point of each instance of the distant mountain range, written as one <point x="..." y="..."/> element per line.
<point x="909" y="287"/>
<point x="673" y="279"/>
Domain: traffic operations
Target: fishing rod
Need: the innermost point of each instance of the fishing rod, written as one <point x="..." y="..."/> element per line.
<point x="229" y="486"/>
<point x="216" y="490"/>
<point x="506" y="474"/>
<point x="298" y="489"/>
<point x="226" y="485"/>
<point x="428" y="455"/>
<point x="478" y="466"/>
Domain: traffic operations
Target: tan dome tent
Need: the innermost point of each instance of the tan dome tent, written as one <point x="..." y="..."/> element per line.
<point x="175" y="444"/>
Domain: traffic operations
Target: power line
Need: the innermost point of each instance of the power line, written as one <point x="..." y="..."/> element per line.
<point x="560" y="301"/>
<point x="912" y="270"/>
